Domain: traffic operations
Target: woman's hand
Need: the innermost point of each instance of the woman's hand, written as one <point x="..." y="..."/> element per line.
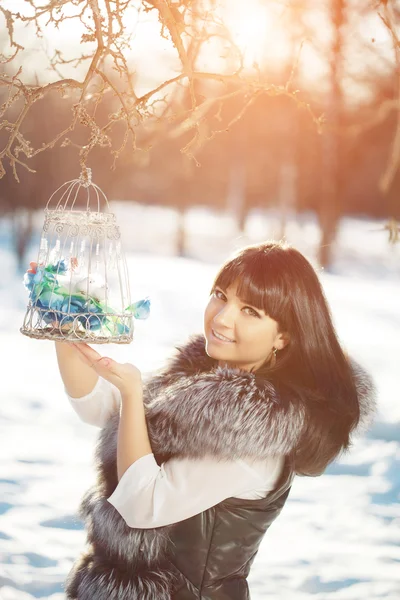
<point x="125" y="377"/>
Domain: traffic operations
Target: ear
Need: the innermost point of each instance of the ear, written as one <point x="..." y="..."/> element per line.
<point x="281" y="340"/>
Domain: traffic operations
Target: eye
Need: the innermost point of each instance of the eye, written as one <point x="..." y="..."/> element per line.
<point x="219" y="294"/>
<point x="252" y="311"/>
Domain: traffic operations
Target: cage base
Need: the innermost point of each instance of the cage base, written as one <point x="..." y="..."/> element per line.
<point x="49" y="333"/>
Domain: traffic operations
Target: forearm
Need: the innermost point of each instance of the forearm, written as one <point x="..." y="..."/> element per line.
<point x="78" y="378"/>
<point x="133" y="437"/>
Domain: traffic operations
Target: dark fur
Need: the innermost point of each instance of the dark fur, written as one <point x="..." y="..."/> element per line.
<point x="193" y="409"/>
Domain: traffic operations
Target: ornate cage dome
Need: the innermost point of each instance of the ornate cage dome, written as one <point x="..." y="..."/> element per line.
<point x="79" y="286"/>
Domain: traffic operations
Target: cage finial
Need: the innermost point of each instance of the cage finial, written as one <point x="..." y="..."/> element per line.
<point x="85" y="178"/>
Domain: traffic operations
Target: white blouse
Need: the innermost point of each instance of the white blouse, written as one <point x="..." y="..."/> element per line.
<point x="149" y="495"/>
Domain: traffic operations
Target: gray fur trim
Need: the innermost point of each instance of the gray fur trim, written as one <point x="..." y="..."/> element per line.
<point x="367" y="398"/>
<point x="198" y="409"/>
<point x="226" y="414"/>
<point x="94" y="579"/>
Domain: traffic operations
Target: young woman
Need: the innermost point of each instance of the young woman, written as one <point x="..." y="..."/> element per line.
<point x="196" y="463"/>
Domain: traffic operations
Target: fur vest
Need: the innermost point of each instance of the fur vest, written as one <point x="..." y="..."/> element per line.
<point x="193" y="409"/>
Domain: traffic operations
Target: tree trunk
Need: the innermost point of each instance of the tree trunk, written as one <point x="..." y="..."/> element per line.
<point x="180" y="233"/>
<point x="236" y="197"/>
<point x="22" y="228"/>
<point x="287" y="194"/>
<point x="330" y="208"/>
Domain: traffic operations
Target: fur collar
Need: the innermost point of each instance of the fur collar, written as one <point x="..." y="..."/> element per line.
<point x="195" y="408"/>
<point x="200" y="408"/>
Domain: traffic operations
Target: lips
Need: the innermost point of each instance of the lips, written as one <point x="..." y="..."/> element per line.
<point x="223" y="338"/>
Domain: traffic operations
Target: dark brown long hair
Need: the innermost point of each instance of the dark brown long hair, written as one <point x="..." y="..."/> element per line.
<point x="312" y="369"/>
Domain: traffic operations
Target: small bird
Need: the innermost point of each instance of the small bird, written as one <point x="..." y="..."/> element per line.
<point x="93" y="286"/>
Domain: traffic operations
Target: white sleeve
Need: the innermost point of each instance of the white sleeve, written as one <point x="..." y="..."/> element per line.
<point x="150" y="496"/>
<point x="96" y="407"/>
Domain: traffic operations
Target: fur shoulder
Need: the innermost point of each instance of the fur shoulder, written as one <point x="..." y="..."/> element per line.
<point x="225" y="413"/>
<point x="197" y="408"/>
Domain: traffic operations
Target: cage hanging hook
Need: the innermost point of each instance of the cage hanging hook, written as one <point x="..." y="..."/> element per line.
<point x="85" y="178"/>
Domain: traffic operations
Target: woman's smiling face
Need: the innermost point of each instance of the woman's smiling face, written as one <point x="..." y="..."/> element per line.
<point x="237" y="334"/>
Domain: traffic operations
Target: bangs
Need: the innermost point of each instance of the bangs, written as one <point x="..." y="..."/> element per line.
<point x="259" y="284"/>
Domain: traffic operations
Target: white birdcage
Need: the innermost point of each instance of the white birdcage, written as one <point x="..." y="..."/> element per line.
<point x="79" y="287"/>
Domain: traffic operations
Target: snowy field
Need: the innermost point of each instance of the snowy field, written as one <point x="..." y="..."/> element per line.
<point x="338" y="536"/>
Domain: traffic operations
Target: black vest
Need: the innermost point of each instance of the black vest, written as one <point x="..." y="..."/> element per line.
<point x="213" y="551"/>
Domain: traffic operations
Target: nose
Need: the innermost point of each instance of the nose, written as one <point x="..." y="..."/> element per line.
<point x="225" y="318"/>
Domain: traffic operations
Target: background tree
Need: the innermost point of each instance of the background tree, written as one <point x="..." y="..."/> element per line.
<point x="193" y="117"/>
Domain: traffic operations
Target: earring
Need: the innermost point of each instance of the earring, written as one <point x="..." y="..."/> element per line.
<point x="272" y="362"/>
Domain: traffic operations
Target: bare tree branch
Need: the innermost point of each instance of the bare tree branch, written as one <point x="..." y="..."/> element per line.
<point x="187" y="25"/>
<point x="388" y="18"/>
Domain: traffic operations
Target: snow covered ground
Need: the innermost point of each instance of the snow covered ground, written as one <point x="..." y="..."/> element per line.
<point x="338" y="537"/>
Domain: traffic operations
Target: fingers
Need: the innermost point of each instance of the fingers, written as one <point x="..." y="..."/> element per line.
<point x="123" y="376"/>
<point x="90" y="356"/>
